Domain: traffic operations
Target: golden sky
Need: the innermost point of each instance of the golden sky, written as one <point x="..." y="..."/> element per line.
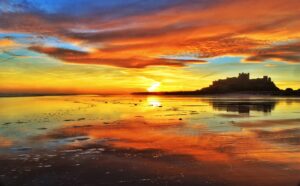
<point x="125" y="46"/>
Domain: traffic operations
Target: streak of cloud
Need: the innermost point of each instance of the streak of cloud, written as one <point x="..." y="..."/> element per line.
<point x="209" y="28"/>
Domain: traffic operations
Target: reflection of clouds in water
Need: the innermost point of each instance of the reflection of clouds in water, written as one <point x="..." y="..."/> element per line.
<point x="161" y="128"/>
<point x="4" y="142"/>
<point x="285" y="136"/>
<point x="205" y="146"/>
<point x="268" y="123"/>
<point x="135" y="127"/>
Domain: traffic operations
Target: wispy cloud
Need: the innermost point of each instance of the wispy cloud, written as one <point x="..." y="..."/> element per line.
<point x="135" y="38"/>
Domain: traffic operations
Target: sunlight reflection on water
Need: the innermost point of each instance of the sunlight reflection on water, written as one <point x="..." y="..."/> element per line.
<point x="154" y="101"/>
<point x="253" y="135"/>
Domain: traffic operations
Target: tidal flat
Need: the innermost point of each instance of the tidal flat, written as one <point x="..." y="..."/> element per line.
<point x="149" y="140"/>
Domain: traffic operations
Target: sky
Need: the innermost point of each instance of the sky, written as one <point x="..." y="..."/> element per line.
<point x="117" y="46"/>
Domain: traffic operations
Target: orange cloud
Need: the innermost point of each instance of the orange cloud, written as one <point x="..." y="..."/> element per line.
<point x="73" y="56"/>
<point x="137" y="41"/>
<point x="285" y="53"/>
<point x="7" y="43"/>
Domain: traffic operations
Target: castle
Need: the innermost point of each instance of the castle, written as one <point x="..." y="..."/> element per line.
<point x="241" y="83"/>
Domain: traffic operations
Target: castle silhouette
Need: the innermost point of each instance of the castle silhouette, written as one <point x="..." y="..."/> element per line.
<point x="232" y="85"/>
<point x="241" y="83"/>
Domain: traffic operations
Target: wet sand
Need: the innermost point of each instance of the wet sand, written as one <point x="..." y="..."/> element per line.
<point x="96" y="140"/>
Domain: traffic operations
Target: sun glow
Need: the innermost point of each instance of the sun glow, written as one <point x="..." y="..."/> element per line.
<point x="154" y="101"/>
<point x="153" y="87"/>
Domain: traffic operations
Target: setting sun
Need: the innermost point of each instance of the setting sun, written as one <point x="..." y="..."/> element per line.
<point x="153" y="87"/>
<point x="145" y="92"/>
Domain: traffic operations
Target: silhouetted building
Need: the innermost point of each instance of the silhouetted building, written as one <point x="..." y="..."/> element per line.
<point x="241" y="83"/>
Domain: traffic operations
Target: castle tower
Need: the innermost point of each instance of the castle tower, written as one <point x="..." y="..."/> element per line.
<point x="266" y="78"/>
<point x="244" y="76"/>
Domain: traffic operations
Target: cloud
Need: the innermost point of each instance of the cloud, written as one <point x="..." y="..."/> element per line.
<point x="6" y="44"/>
<point x="59" y="52"/>
<point x="121" y="31"/>
<point x="80" y="57"/>
<point x="285" y="53"/>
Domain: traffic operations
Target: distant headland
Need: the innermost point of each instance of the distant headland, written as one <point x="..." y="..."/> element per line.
<point x="236" y="85"/>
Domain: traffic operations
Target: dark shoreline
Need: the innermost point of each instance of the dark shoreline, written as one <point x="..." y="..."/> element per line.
<point x="240" y="85"/>
<point x="183" y="94"/>
<point x="230" y="94"/>
<point x="45" y="95"/>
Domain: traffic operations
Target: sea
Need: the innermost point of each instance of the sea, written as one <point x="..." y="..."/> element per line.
<point x="149" y="140"/>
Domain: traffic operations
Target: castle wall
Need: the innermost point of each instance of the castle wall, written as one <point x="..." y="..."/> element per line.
<point x="243" y="83"/>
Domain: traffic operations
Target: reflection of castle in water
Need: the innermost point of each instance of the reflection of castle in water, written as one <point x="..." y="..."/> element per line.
<point x="244" y="107"/>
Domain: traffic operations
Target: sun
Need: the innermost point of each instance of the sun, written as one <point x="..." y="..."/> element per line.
<point x="153" y="87"/>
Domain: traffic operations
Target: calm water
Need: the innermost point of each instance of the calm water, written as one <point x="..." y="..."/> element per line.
<point x="122" y="140"/>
